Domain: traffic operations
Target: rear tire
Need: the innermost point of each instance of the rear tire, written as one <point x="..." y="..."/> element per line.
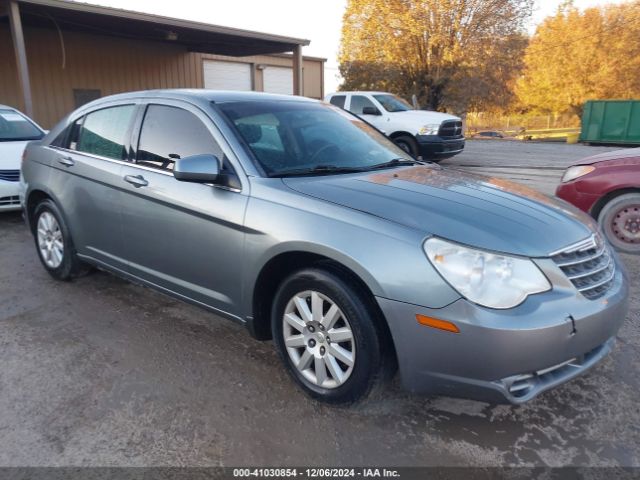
<point x="310" y="307"/>
<point x="54" y="244"/>
<point x="620" y="222"/>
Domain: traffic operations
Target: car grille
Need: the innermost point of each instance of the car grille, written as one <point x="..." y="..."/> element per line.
<point x="13" y="200"/>
<point x="521" y="385"/>
<point x="10" y="175"/>
<point x="589" y="265"/>
<point x="451" y="129"/>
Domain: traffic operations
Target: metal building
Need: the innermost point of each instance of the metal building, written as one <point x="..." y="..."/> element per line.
<point x="56" y="55"/>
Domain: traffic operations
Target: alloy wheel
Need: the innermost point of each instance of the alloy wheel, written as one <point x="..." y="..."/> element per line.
<point x="319" y="339"/>
<point x="50" y="241"/>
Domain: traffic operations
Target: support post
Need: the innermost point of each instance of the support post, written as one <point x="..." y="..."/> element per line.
<point x="21" y="56"/>
<point x="297" y="71"/>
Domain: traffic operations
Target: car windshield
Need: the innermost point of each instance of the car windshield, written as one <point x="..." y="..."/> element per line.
<point x="14" y="126"/>
<point x="295" y="137"/>
<point x="391" y="103"/>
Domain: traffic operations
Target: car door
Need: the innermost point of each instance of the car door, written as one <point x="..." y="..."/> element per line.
<point x="86" y="179"/>
<point x="356" y="105"/>
<point x="183" y="237"/>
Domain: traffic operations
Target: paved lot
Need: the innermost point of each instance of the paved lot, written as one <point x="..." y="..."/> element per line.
<point x="103" y="372"/>
<point x="539" y="165"/>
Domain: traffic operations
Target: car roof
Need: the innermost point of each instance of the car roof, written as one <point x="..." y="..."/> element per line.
<point x="191" y="94"/>
<point x="8" y="107"/>
<point x="368" y="92"/>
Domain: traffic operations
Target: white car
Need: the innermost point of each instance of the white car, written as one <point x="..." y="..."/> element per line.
<point x="16" y="130"/>
<point x="431" y="135"/>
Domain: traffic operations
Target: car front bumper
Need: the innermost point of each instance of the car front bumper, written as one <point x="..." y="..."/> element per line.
<point x="9" y="196"/>
<point x="507" y="355"/>
<point x="431" y="146"/>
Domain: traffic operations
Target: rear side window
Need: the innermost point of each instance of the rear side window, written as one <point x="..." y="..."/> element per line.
<point x="169" y="133"/>
<point x="105" y="132"/>
<point x="358" y="102"/>
<point x="338" y="100"/>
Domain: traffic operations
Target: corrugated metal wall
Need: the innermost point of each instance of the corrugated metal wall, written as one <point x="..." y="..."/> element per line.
<point x="111" y="65"/>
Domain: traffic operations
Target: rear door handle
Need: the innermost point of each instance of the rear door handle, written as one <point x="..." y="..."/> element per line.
<point x="66" y="161"/>
<point x="136" y="180"/>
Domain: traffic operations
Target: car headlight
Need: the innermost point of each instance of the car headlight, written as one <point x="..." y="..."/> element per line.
<point x="488" y="279"/>
<point x="578" y="171"/>
<point x="431" y="129"/>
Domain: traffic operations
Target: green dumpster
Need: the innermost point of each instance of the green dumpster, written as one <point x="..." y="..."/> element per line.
<point x="611" y="121"/>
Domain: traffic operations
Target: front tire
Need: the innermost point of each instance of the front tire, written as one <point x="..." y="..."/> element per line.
<point x="325" y="332"/>
<point x="620" y="221"/>
<point x="408" y="144"/>
<point x="53" y="242"/>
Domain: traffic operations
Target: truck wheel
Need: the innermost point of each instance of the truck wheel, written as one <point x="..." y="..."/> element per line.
<point x="408" y="144"/>
<point x="620" y="221"/>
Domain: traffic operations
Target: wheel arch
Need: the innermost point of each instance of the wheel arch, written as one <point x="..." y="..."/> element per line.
<point x="284" y="264"/>
<point x="602" y="201"/>
<point x="33" y="199"/>
<point x="401" y="133"/>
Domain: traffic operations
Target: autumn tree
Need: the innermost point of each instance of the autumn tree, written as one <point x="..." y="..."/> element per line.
<point x="575" y="56"/>
<point x="452" y="54"/>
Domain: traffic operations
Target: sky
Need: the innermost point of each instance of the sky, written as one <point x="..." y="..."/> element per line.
<point x="318" y="21"/>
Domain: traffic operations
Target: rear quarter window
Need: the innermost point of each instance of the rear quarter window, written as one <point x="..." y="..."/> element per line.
<point x="105" y="132"/>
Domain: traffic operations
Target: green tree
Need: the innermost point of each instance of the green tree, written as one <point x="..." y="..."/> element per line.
<point x="576" y="56"/>
<point x="452" y="54"/>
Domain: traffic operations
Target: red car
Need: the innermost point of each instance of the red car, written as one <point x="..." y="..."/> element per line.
<point x="607" y="186"/>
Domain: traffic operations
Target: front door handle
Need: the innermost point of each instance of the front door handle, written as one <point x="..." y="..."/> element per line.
<point x="66" y="161"/>
<point x="136" y="180"/>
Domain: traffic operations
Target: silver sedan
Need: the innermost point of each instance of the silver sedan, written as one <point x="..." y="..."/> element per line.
<point x="306" y="225"/>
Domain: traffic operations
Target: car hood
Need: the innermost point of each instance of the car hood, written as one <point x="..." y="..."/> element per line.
<point x="11" y="154"/>
<point x="615" y="155"/>
<point x="485" y="212"/>
<point x="424" y="117"/>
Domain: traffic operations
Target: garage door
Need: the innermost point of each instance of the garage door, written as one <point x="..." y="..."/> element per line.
<point x="226" y="75"/>
<point x="278" y="80"/>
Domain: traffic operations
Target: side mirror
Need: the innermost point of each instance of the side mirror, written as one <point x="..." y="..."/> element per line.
<point x="371" y="111"/>
<point x="197" y="168"/>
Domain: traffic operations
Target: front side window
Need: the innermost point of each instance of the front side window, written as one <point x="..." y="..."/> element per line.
<point x="294" y="137"/>
<point x="15" y="127"/>
<point x="105" y="132"/>
<point x="391" y="103"/>
<point x="358" y="102"/>
<point x="169" y="133"/>
<point x="338" y="100"/>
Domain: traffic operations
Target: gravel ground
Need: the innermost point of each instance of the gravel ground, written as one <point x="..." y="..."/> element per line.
<point x="102" y="372"/>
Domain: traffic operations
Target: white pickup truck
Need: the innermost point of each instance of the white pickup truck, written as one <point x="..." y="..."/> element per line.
<point x="431" y="135"/>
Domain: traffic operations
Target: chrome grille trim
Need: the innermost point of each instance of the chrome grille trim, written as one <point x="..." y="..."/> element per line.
<point x="606" y="280"/>
<point x="582" y="259"/>
<point x="588" y="265"/>
<point x="10" y="175"/>
<point x="597" y="269"/>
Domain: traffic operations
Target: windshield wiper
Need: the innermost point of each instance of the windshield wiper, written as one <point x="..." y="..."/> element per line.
<point x="317" y="170"/>
<point x="396" y="162"/>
